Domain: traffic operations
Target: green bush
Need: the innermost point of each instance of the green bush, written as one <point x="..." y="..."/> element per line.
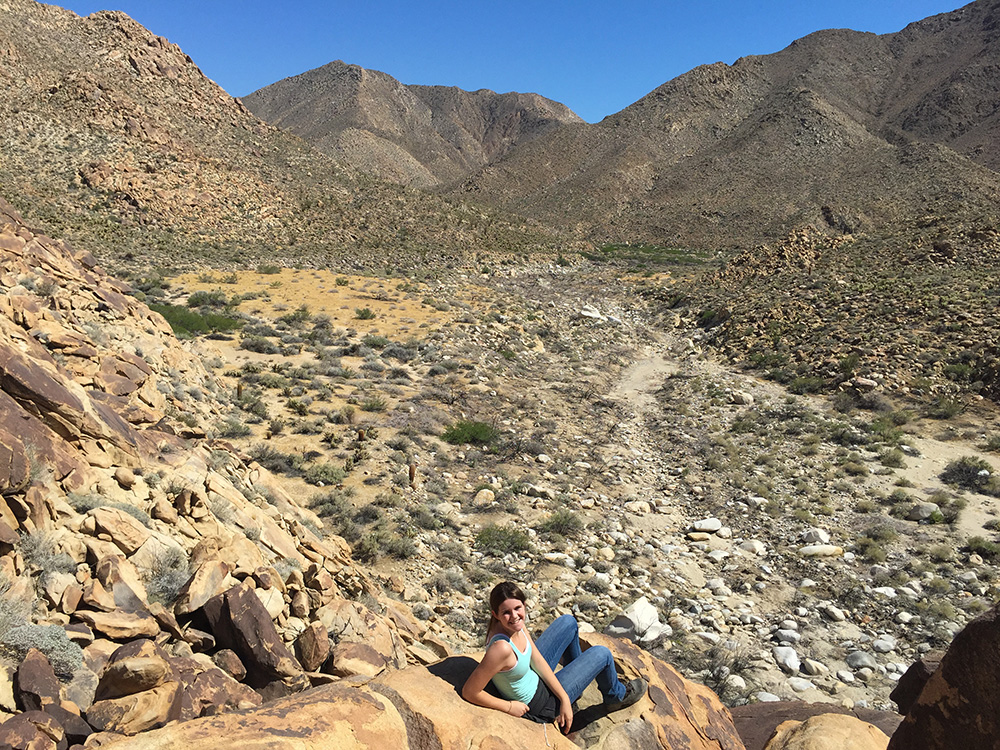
<point x="259" y="344"/>
<point x="892" y="458"/>
<point x="499" y="540"/>
<point x="971" y="473"/>
<point x="267" y="268"/>
<point x="232" y="428"/>
<point x="563" y="522"/>
<point x="983" y="547"/>
<point x="476" y="433"/>
<point x="374" y="403"/>
<point x="187" y="323"/>
<point x="364" y="313"/>
<point x="324" y="473"/>
<point x="215" y="298"/>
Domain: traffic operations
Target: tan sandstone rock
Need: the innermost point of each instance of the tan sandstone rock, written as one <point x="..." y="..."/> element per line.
<point x="828" y="732"/>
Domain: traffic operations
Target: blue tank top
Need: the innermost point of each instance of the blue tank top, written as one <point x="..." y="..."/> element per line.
<point x="520" y="681"/>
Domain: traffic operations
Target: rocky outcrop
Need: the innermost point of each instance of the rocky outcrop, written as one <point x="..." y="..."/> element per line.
<point x="422" y="707"/>
<point x="761" y="724"/>
<point x="828" y="732"/>
<point x="958" y="705"/>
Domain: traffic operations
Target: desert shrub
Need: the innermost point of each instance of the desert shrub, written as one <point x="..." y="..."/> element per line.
<point x="374" y="341"/>
<point x="40" y="552"/>
<point x="475" y="433"/>
<point x="945" y="408"/>
<point x="500" y="540"/>
<point x="82" y="502"/>
<point x="971" y="473"/>
<point x="259" y="345"/>
<point x="398" y="352"/>
<point x="186" y="323"/>
<point x="166" y="575"/>
<point x="983" y="547"/>
<point x="232" y="428"/>
<point x="364" y="313"/>
<point x="881" y="533"/>
<point x="274" y="460"/>
<point x="563" y="522"/>
<point x="268" y="268"/>
<point x="374" y="403"/>
<point x="893" y="458"/>
<point x="368" y="514"/>
<point x="806" y="384"/>
<point x="596" y="585"/>
<point x="379" y="542"/>
<point x="870" y="549"/>
<point x="447" y="581"/>
<point x="424" y="519"/>
<point x="324" y="473"/>
<point x="64" y="655"/>
<point x="215" y="298"/>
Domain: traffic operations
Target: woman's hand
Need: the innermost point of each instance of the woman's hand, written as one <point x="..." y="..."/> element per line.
<point x="516" y="708"/>
<point x="565" y="717"/>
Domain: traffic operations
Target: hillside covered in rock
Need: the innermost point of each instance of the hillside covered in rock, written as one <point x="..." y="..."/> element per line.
<point x="843" y="130"/>
<point x="423" y="136"/>
<point x="112" y="137"/>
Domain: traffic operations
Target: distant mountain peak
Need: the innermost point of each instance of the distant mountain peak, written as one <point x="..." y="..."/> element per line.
<point x="423" y="136"/>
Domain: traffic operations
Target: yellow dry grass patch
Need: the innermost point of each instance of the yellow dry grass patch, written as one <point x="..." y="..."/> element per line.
<point x="399" y="306"/>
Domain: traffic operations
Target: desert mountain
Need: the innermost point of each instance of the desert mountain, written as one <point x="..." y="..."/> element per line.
<point x="841" y="128"/>
<point x="113" y="137"/>
<point x="414" y="135"/>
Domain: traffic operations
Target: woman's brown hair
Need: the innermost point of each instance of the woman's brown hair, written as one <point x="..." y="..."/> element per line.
<point x="501" y="593"/>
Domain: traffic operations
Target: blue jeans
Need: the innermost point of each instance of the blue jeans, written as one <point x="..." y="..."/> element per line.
<point x="560" y="644"/>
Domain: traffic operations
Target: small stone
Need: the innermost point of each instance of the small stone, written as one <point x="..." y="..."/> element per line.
<point x="754" y="546"/>
<point x="710" y="525"/>
<point x="786" y="658"/>
<point x="800" y="684"/>
<point x="860" y="659"/>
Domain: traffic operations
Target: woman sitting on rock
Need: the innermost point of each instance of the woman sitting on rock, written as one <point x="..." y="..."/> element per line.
<point x="522" y="670"/>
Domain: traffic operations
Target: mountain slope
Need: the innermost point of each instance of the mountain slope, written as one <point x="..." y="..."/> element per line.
<point x="414" y="135"/>
<point x="113" y="136"/>
<point x="844" y="128"/>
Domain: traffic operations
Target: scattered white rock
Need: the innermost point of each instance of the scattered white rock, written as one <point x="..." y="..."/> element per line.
<point x="816" y="536"/>
<point x="800" y="684"/>
<point x="754" y="546"/>
<point x="786" y="658"/>
<point x="710" y="525"/>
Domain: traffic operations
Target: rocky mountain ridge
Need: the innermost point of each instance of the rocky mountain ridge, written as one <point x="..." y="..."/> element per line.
<point x="842" y="130"/>
<point x="113" y="137"/>
<point x="422" y="136"/>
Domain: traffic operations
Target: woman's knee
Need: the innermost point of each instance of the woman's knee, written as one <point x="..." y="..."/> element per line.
<point x="567" y="621"/>
<point x="602" y="653"/>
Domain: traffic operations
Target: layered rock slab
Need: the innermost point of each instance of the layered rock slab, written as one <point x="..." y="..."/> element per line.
<point x="422" y="707"/>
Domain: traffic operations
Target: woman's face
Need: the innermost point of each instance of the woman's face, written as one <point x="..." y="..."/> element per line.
<point x="510" y="614"/>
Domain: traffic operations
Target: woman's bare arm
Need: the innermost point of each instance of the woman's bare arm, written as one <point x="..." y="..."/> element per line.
<point x="499" y="656"/>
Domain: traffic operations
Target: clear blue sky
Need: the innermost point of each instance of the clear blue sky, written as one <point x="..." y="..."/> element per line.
<point x="595" y="56"/>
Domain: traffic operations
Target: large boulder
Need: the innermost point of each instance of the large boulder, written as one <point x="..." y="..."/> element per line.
<point x="960" y="704"/>
<point x="239" y="622"/>
<point x="828" y="732"/>
<point x="333" y="716"/>
<point x="757" y="722"/>
<point x="138" y="690"/>
<point x="421" y="707"/>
